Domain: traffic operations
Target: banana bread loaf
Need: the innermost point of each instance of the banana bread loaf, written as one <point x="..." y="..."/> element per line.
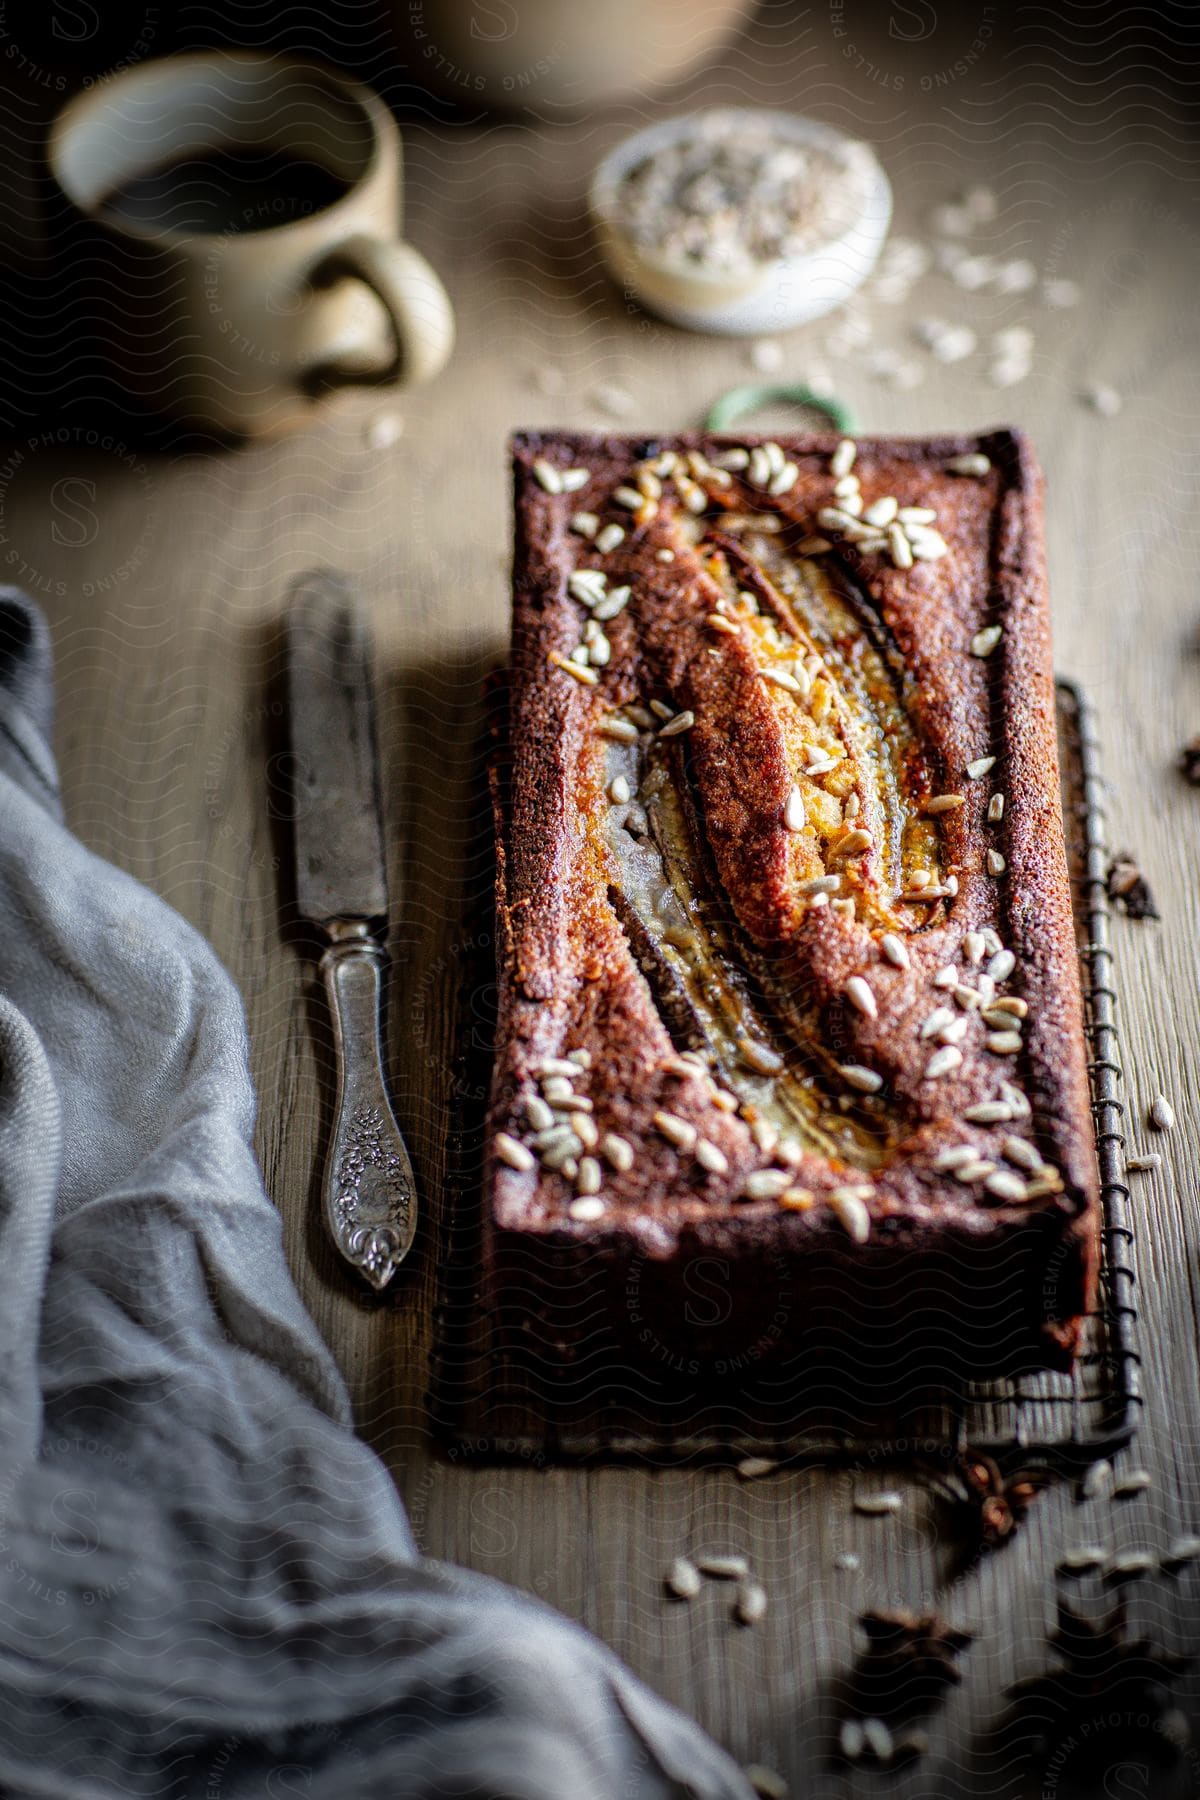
<point x="789" y="1008"/>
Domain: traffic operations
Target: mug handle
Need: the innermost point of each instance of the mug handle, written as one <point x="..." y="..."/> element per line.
<point x="417" y="304"/>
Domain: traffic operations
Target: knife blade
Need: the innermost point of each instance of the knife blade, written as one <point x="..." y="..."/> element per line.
<point x="369" y="1196"/>
<point x="340" y="869"/>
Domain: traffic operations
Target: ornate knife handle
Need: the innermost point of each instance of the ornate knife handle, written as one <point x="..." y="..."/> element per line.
<point x="370" y="1196"/>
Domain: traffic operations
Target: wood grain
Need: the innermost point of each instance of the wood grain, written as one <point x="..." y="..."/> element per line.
<point x="165" y="628"/>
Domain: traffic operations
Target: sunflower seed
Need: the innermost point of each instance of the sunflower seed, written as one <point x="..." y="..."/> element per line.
<point x="767" y="1784"/>
<point x="821" y="884"/>
<point x="609" y="538"/>
<point x="1003" y="1043"/>
<point x="629" y="498"/>
<point x="765" y="1135"/>
<point x="882" y="512"/>
<point x="878" y="1740"/>
<point x="562" y="1154"/>
<point x="970" y="1172"/>
<point x="946" y="978"/>
<point x="718" y="622"/>
<point x="680" y="723"/>
<point x="973" y="462"/>
<point x="539" y="1114"/>
<point x="514" y="1153"/>
<point x="1183" y="1550"/>
<point x="1022" y="1153"/>
<point x="985" y="641"/>
<point x="876" y="1505"/>
<point x="548" y="477"/>
<point x="1104" y="400"/>
<point x="995" y="811"/>
<point x="600" y="650"/>
<point x="711" y="1158"/>
<point x="724" y="1568"/>
<point x="837" y="518"/>
<point x="1131" y="1565"/>
<point x="894" y="950"/>
<point x="851" y="1741"/>
<point x="900" y="547"/>
<point x="683" y="1579"/>
<point x="943" y="1062"/>
<point x="585" y="1129"/>
<point x="940" y="1017"/>
<point x="1001" y="965"/>
<point x="619" y="790"/>
<point x="941" y="803"/>
<point x="623" y="731"/>
<point x="1081" y="1558"/>
<point x="1005" y="1186"/>
<point x="1015" y="1099"/>
<point x="619" y="1152"/>
<point x="588" y="677"/>
<point x="752" y="1467"/>
<point x="785" y="481"/>
<point x="980" y="766"/>
<point x="850" y="1211"/>
<point x="854" y="842"/>
<point x="590" y="1178"/>
<point x="1162" y="1113"/>
<point x="953" y="1156"/>
<point x="793" y="812"/>
<point x="677" y="1131"/>
<point x="865" y="1080"/>
<point x="858" y="992"/>
<point x="955" y="1031"/>
<point x="996" y="864"/>
<point x="1138" y="1165"/>
<point x="587" y="524"/>
<point x="751" y="1603"/>
<point x="766" y="1184"/>
<point x="735" y="459"/>
<point x="1136" y="1481"/>
<point x="556" y="1085"/>
<point x="988" y="1112"/>
<point x="1097" y="1481"/>
<point x="842" y="460"/>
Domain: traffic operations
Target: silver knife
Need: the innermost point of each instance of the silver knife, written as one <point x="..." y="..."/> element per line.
<point x="341" y="887"/>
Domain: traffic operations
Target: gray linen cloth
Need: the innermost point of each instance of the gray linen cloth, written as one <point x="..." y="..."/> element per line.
<point x="208" y="1588"/>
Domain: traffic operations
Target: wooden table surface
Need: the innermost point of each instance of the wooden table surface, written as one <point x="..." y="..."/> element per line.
<point x="163" y="575"/>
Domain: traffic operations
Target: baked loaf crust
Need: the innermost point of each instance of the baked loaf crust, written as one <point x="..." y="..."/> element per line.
<point x="789" y="1004"/>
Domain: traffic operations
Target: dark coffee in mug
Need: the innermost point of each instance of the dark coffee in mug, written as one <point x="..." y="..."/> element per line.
<point x="224" y="189"/>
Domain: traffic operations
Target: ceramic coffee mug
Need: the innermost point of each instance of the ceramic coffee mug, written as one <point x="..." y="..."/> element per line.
<point x="233" y="225"/>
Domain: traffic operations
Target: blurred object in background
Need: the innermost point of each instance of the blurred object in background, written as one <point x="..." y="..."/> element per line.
<point x="741" y="219"/>
<point x="561" y="53"/>
<point x="231" y="223"/>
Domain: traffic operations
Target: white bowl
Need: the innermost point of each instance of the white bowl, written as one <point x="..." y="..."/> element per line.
<point x="768" y="296"/>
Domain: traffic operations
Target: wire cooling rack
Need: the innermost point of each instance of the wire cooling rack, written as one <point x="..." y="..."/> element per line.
<point x="1059" y="1420"/>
